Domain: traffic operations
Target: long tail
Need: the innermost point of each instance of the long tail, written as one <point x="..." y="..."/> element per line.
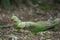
<point x="53" y="24"/>
<point x="41" y="27"/>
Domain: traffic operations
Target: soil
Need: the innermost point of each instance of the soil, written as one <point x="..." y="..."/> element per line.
<point x="31" y="14"/>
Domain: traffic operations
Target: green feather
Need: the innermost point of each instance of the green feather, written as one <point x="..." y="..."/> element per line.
<point x="37" y="26"/>
<point x="43" y="27"/>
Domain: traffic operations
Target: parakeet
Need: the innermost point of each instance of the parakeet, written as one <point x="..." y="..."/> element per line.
<point x="34" y="27"/>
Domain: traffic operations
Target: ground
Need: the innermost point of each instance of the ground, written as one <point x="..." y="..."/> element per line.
<point x="32" y="14"/>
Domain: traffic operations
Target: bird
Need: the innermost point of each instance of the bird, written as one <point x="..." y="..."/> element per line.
<point x="33" y="27"/>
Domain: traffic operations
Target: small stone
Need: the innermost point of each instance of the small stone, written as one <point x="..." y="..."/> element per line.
<point x="41" y="33"/>
<point x="42" y="37"/>
<point x="48" y="39"/>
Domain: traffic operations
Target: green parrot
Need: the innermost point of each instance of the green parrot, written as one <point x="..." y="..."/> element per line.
<point x="34" y="27"/>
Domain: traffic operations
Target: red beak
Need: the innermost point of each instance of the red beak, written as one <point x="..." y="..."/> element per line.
<point x="11" y="20"/>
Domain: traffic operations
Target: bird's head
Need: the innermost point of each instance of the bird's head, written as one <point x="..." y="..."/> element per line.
<point x="14" y="19"/>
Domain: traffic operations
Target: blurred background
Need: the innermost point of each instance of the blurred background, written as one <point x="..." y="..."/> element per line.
<point x="31" y="10"/>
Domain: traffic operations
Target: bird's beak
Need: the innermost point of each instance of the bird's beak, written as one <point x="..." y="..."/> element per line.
<point x="11" y="21"/>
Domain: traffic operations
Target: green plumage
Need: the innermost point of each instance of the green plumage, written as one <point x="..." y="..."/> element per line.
<point x="37" y="27"/>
